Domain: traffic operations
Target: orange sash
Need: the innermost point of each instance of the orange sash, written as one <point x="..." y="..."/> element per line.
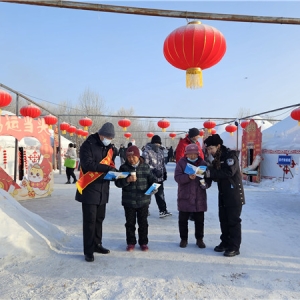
<point x="87" y="178"/>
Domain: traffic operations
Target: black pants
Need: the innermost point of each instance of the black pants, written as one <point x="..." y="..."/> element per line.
<point x="141" y="215"/>
<point x="93" y="216"/>
<point x="183" y="218"/>
<point x="70" y="173"/>
<point x="160" y="198"/>
<point x="230" y="223"/>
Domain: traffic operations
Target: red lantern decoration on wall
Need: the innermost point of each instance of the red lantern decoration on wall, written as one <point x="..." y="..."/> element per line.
<point x="193" y="48"/>
<point x="31" y="111"/>
<point x="5" y="99"/>
<point x="150" y="135"/>
<point x="127" y="135"/>
<point x="72" y="129"/>
<point x="231" y="128"/>
<point x="201" y="133"/>
<point x="163" y="124"/>
<point x="64" y="127"/>
<point x="124" y="123"/>
<point x="245" y="123"/>
<point x="213" y="131"/>
<point x="50" y="120"/>
<point x="295" y="114"/>
<point x="209" y="125"/>
<point x="85" y="123"/>
<point x="172" y="135"/>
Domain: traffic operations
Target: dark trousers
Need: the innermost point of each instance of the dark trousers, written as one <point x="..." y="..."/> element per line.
<point x="70" y="173"/>
<point x="160" y="198"/>
<point x="230" y="223"/>
<point x="183" y="218"/>
<point x="93" y="216"/>
<point x="141" y="215"/>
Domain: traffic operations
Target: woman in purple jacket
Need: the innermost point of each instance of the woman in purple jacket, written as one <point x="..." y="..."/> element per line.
<point x="191" y="196"/>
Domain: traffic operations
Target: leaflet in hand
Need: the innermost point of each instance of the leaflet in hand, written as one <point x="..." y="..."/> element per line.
<point x="193" y="170"/>
<point x="116" y="175"/>
<point x="153" y="187"/>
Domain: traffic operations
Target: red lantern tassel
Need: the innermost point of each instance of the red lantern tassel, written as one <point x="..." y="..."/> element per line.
<point x="194" y="78"/>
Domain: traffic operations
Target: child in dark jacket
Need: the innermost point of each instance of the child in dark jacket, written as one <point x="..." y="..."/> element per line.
<point x="134" y="200"/>
<point x="191" y="196"/>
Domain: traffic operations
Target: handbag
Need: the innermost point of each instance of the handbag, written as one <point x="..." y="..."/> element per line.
<point x="70" y="163"/>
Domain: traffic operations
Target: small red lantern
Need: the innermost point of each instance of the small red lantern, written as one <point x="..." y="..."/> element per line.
<point x="295" y="114"/>
<point x="78" y="132"/>
<point x="150" y="135"/>
<point x="231" y="128"/>
<point x="124" y="123"/>
<point x="72" y="129"/>
<point x="172" y="135"/>
<point x="193" y="48"/>
<point x="163" y="124"/>
<point x="31" y="111"/>
<point x="201" y="133"/>
<point x="4" y="158"/>
<point x="85" y="123"/>
<point x="84" y="134"/>
<point x="127" y="135"/>
<point x="213" y="131"/>
<point x="64" y="127"/>
<point x="50" y="120"/>
<point x="209" y="125"/>
<point x="5" y="99"/>
<point x="245" y="123"/>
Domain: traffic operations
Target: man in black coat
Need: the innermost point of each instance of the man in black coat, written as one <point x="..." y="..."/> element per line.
<point x="225" y="170"/>
<point x="96" y="159"/>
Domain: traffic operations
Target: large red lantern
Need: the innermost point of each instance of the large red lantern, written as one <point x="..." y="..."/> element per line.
<point x="64" y="127"/>
<point x="193" y="48"/>
<point x="150" y="135"/>
<point x="31" y="111"/>
<point x="85" y="123"/>
<point x="163" y="124"/>
<point x="5" y="99"/>
<point x="295" y="114"/>
<point x="172" y="135"/>
<point x="245" y="123"/>
<point x="231" y="128"/>
<point x="127" y="135"/>
<point x="50" y="120"/>
<point x="72" y="129"/>
<point x="209" y="125"/>
<point x="124" y="123"/>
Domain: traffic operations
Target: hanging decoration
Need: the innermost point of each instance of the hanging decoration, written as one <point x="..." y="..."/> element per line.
<point x="150" y="135"/>
<point x="193" y="48"/>
<point x="127" y="135"/>
<point x="31" y="111"/>
<point x="78" y="132"/>
<point x="172" y="135"/>
<point x="213" y="131"/>
<point x="295" y="114"/>
<point x="163" y="124"/>
<point x="201" y="133"/>
<point x="85" y="123"/>
<point x="245" y="123"/>
<point x="72" y="129"/>
<point x="5" y="99"/>
<point x="124" y="123"/>
<point x="84" y="134"/>
<point x="4" y="158"/>
<point x="64" y="127"/>
<point x="50" y="120"/>
<point x="231" y="128"/>
<point x="209" y="125"/>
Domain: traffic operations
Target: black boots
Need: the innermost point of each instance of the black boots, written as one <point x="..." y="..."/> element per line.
<point x="100" y="249"/>
<point x="68" y="182"/>
<point x="89" y="258"/>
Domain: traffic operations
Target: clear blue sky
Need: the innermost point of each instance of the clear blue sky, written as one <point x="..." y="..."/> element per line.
<point x="55" y="54"/>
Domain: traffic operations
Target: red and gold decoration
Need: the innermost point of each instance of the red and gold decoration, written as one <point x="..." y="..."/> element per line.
<point x="231" y="128"/>
<point x="71" y="130"/>
<point x="172" y="135"/>
<point x="295" y="114"/>
<point x="78" y="132"/>
<point x="213" y="131"/>
<point x="84" y="134"/>
<point x="201" y="133"/>
<point x="127" y="135"/>
<point x="124" y="123"/>
<point x="245" y="123"/>
<point x="150" y="135"/>
<point x="5" y="99"/>
<point x="85" y="123"/>
<point x="209" y="125"/>
<point x="193" y="48"/>
<point x="163" y="124"/>
<point x="64" y="127"/>
<point x="31" y="111"/>
<point x="50" y="120"/>
<point x="4" y="158"/>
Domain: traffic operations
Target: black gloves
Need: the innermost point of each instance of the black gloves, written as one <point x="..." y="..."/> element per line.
<point x="157" y="173"/>
<point x="165" y="176"/>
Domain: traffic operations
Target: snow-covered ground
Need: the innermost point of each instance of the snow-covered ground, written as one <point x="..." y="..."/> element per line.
<point x="41" y="249"/>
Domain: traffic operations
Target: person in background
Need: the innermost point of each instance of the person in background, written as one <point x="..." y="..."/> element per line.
<point x="191" y="196"/>
<point x="166" y="152"/>
<point x="70" y="163"/>
<point x="225" y="170"/>
<point x="154" y="157"/>
<point x="96" y="159"/>
<point x="134" y="200"/>
<point x="171" y="154"/>
<point x="122" y="154"/>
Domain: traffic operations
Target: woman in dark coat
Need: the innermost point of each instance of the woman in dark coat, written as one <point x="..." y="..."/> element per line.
<point x="226" y="171"/>
<point x="191" y="196"/>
